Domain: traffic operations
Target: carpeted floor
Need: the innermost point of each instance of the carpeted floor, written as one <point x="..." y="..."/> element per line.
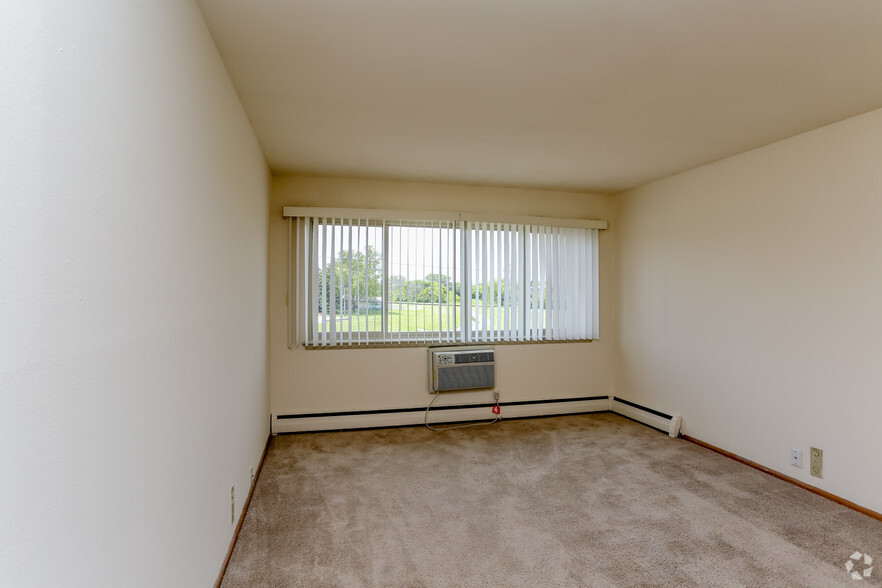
<point x="584" y="500"/>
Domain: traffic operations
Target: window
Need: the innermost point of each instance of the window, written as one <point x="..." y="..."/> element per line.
<point x="360" y="281"/>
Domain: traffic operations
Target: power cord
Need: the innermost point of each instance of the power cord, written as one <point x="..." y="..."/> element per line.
<point x="495" y="410"/>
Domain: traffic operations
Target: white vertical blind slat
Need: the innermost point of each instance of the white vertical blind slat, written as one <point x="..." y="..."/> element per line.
<point x="361" y="301"/>
<point x="367" y="282"/>
<point x="525" y="304"/>
<point x="566" y="285"/>
<point x="516" y="272"/>
<point x="505" y="303"/>
<point x="595" y="288"/>
<point x="463" y="286"/>
<point x="324" y="273"/>
<point x="543" y="281"/>
<point x="525" y="281"/>
<point x="475" y="241"/>
<point x="589" y="287"/>
<point x="554" y="284"/>
<point x="439" y="308"/>
<point x="301" y="294"/>
<point x="534" y="297"/>
<point x="476" y="304"/>
<point x="451" y="283"/>
<point x="293" y="293"/>
<point x="428" y="313"/>
<point x="490" y="296"/>
<point x="572" y="287"/>
<point x="402" y="282"/>
<point x="482" y="281"/>
<point x="522" y="271"/>
<point x="348" y="297"/>
<point x="584" y="308"/>
<point x="289" y="288"/>
<point x="500" y="284"/>
<point x="332" y="280"/>
<point x="578" y="307"/>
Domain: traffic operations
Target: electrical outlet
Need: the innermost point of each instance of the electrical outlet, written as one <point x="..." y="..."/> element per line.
<point x="817" y="461"/>
<point x="251" y="472"/>
<point x="796" y="457"/>
<point x="232" y="504"/>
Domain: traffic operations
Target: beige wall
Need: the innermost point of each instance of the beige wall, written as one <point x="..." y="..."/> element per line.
<point x="133" y="256"/>
<point x="304" y="381"/>
<point x="750" y="303"/>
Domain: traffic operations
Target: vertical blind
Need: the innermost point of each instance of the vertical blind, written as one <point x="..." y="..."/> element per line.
<point x="359" y="281"/>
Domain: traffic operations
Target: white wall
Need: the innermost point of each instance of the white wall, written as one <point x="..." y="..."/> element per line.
<point x="750" y="303"/>
<point x="133" y="235"/>
<point x="304" y="381"/>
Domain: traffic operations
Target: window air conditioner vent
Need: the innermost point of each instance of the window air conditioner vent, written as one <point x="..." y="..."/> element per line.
<point x="457" y="368"/>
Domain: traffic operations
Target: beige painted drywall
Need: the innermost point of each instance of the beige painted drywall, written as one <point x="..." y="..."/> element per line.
<point x="133" y="236"/>
<point x="750" y="303"/>
<point x="309" y="381"/>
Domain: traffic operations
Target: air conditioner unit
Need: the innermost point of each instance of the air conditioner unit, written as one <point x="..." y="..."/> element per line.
<point x="461" y="368"/>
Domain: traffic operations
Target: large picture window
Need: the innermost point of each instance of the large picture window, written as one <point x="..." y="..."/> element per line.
<point x="359" y="281"/>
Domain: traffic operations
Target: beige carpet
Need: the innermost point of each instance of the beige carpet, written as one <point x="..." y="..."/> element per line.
<point x="585" y="500"/>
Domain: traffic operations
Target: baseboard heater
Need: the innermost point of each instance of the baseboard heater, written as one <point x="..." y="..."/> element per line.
<point x="399" y="417"/>
<point x="665" y="423"/>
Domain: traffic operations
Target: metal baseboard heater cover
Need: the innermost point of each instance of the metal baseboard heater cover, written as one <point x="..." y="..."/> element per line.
<point x="665" y="423"/>
<point x="461" y="368"/>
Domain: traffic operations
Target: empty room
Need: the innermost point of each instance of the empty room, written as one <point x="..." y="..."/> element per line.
<point x="440" y="293"/>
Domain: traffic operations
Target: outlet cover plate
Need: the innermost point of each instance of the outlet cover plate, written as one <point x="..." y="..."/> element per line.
<point x="817" y="462"/>
<point x="796" y="457"/>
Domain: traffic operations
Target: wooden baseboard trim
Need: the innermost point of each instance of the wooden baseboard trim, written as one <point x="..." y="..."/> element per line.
<point x="786" y="478"/>
<point x="223" y="570"/>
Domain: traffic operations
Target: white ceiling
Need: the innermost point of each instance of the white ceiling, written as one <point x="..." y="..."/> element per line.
<point x="589" y="95"/>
